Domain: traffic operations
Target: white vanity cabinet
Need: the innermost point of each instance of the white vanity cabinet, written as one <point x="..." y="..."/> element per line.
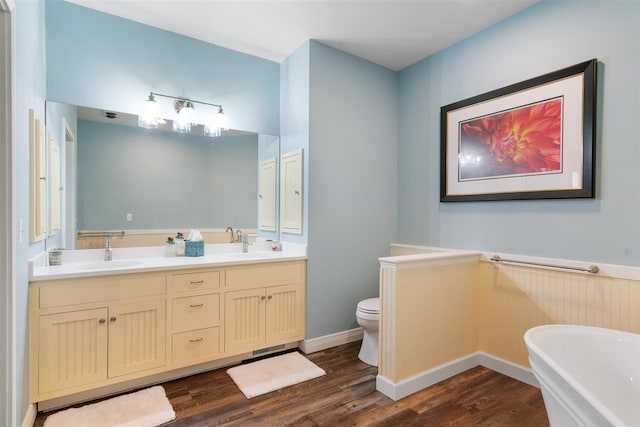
<point x="85" y="332"/>
<point x="116" y="330"/>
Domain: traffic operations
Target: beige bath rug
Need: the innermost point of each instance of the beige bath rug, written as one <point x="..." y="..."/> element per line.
<point x="273" y="373"/>
<point x="145" y="408"/>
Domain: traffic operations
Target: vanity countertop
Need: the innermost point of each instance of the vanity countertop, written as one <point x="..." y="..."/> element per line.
<point x="88" y="262"/>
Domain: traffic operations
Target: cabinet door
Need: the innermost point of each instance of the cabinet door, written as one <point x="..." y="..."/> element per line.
<point x="136" y="337"/>
<point x="267" y="195"/>
<point x="291" y="192"/>
<point x="72" y="349"/>
<point x="284" y="314"/>
<point x="244" y="320"/>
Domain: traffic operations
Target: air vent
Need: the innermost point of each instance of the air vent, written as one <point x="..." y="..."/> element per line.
<point x="269" y="349"/>
<point x="110" y="114"/>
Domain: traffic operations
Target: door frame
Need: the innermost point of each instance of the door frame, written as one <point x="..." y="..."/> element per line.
<point x="8" y="390"/>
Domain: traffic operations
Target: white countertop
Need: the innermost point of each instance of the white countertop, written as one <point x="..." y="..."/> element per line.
<point x="89" y="262"/>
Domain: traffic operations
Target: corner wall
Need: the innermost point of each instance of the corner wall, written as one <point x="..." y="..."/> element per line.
<point x="548" y="36"/>
<point x="352" y="179"/>
<point x="30" y="69"/>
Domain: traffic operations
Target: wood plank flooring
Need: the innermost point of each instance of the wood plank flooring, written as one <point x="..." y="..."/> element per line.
<point x="346" y="396"/>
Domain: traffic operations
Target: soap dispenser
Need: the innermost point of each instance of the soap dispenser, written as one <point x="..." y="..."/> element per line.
<point x="179" y="244"/>
<point x="171" y="247"/>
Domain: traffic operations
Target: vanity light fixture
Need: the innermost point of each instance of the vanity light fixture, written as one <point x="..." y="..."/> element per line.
<point x="214" y="125"/>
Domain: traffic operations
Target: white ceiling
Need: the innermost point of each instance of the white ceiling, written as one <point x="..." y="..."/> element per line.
<point x="392" y="33"/>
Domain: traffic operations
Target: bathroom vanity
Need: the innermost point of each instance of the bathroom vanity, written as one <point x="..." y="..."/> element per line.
<point x="96" y="325"/>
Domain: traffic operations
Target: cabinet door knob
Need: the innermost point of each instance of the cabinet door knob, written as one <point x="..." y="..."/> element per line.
<point x="113" y="318"/>
<point x="263" y="297"/>
<point x="270" y="296"/>
<point x="102" y="320"/>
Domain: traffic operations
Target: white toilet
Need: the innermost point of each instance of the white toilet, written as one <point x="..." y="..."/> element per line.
<point x="368" y="316"/>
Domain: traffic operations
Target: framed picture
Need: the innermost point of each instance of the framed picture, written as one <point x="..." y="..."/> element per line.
<point x="530" y="140"/>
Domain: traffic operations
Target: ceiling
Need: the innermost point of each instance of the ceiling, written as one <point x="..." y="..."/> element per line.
<point x="391" y="33"/>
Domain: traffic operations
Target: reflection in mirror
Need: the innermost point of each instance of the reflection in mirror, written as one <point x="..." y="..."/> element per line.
<point x="155" y="183"/>
<point x="37" y="178"/>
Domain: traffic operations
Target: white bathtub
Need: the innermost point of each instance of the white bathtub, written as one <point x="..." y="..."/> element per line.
<point x="588" y="376"/>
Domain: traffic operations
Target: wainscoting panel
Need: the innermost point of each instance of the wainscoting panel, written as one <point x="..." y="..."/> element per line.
<point x="434" y="317"/>
<point x="513" y="299"/>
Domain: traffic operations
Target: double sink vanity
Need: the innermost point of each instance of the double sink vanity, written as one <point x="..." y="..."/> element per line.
<point x="99" y="327"/>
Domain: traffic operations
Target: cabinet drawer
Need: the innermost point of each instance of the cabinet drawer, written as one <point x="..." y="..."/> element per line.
<point x="196" y="312"/>
<point x="195" y="345"/>
<point x="195" y="281"/>
<point x="81" y="291"/>
<point x="267" y="274"/>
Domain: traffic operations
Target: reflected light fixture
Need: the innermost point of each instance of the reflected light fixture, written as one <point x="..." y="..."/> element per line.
<point x="186" y="115"/>
<point x="149" y="116"/>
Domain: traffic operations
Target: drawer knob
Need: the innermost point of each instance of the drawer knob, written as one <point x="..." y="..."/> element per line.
<point x="102" y="320"/>
<point x="113" y="318"/>
<point x="197" y="282"/>
<point x="196" y="340"/>
<point x="196" y="305"/>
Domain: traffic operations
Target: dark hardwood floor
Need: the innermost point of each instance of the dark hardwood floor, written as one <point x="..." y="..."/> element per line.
<point x="346" y="396"/>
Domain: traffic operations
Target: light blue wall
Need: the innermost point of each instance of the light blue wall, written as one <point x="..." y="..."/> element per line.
<point x="166" y="180"/>
<point x="294" y="123"/>
<point x="548" y="36"/>
<point x="103" y="61"/>
<point x="352" y="178"/>
<point x="29" y="83"/>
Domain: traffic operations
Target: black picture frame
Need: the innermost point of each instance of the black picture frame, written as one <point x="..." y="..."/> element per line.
<point x="530" y="140"/>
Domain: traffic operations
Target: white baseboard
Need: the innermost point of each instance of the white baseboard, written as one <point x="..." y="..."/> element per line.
<point x="432" y="376"/>
<point x="425" y="379"/>
<point x="30" y="416"/>
<point x="332" y="340"/>
<point x="507" y="368"/>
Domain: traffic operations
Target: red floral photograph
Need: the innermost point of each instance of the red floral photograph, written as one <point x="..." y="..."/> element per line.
<point x="533" y="139"/>
<point x="521" y="141"/>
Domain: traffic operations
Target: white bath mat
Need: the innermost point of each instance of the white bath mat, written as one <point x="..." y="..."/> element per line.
<point x="273" y="373"/>
<point x="145" y="408"/>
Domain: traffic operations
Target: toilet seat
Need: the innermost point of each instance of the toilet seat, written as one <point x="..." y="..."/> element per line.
<point x="369" y="306"/>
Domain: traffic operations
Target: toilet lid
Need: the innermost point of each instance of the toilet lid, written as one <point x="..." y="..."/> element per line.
<point x="371" y="305"/>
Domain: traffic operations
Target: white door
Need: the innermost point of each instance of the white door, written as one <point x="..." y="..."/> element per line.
<point x="267" y="196"/>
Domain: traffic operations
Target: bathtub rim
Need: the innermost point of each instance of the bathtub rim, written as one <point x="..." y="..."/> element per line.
<point x="534" y="349"/>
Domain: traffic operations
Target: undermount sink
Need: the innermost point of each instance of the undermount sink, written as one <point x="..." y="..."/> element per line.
<point x="101" y="265"/>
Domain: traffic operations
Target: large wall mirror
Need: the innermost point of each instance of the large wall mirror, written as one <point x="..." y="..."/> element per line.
<point x="151" y="184"/>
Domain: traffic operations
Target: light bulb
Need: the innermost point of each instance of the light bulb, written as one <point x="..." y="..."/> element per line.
<point x="216" y="124"/>
<point x="222" y="119"/>
<point x="149" y="116"/>
<point x="187" y="114"/>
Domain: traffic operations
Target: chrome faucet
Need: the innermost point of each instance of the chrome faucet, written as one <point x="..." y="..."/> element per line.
<point x="108" y="252"/>
<point x="238" y="236"/>
<point x="231" y="230"/>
